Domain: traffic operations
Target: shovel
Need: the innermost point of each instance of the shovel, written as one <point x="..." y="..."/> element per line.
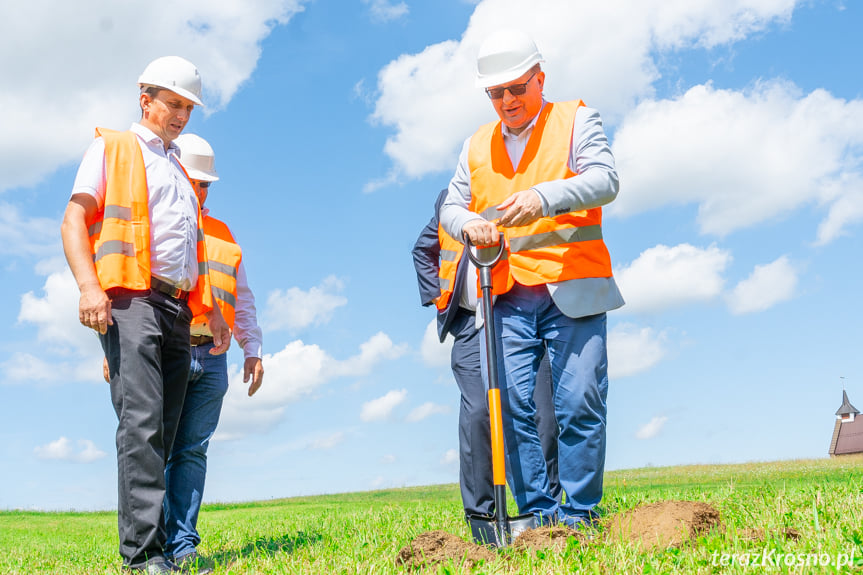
<point x="498" y="530"/>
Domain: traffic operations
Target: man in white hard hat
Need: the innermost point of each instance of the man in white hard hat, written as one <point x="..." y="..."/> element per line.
<point x="540" y="175"/>
<point x="432" y="252"/>
<point x="133" y="237"/>
<point x="208" y="377"/>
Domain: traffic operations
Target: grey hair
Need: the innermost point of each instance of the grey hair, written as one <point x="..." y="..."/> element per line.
<point x="151" y="91"/>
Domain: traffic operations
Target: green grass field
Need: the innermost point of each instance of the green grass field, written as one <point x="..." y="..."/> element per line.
<point x="362" y="532"/>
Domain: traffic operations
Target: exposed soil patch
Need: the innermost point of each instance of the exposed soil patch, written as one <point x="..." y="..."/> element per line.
<point x="433" y="547"/>
<point x="664" y="524"/>
<point x="656" y="525"/>
<point x="552" y="538"/>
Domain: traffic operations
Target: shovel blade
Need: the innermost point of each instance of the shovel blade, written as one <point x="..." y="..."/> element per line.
<point x="487" y="530"/>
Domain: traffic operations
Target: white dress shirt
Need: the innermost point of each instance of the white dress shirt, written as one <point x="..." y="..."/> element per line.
<point x="247" y="332"/>
<point x="595" y="184"/>
<point x="172" y="202"/>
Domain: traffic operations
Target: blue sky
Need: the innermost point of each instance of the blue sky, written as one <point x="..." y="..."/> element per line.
<point x="738" y="131"/>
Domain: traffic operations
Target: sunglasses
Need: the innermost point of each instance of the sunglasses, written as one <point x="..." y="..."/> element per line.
<point x="204" y="185"/>
<point x="515" y="89"/>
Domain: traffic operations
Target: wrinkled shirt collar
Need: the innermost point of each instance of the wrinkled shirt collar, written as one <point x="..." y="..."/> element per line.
<point x="152" y="139"/>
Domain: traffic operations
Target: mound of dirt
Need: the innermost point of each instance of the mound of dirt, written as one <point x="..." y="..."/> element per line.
<point x="551" y="538"/>
<point x="433" y="547"/>
<point x="656" y="525"/>
<point x="664" y="524"/>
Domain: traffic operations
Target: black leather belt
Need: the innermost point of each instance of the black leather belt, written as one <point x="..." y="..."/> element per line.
<point x="201" y="339"/>
<point x="168" y="289"/>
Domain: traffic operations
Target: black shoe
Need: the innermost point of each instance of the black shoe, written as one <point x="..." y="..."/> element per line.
<point x="156" y="566"/>
<point x="191" y="563"/>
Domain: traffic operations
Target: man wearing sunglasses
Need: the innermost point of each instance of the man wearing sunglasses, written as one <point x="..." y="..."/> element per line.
<point x="456" y="316"/>
<point x="540" y="175"/>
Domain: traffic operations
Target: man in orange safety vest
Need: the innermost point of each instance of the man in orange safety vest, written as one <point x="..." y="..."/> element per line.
<point x="540" y="175"/>
<point x="208" y="377"/>
<point x="133" y="237"/>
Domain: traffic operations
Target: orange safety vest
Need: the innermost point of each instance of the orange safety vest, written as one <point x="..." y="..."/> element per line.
<point x="223" y="260"/>
<point x="551" y="249"/>
<point x="120" y="233"/>
<point x="450" y="254"/>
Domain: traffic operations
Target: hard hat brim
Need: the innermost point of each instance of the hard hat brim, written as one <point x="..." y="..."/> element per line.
<point x="177" y="90"/>
<point x="202" y="176"/>
<point x="489" y="80"/>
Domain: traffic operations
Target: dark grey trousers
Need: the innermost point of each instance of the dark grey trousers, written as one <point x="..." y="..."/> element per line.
<point x="475" y="473"/>
<point x="148" y="359"/>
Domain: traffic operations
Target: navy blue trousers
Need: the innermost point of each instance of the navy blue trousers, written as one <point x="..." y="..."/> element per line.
<point x="475" y="473"/>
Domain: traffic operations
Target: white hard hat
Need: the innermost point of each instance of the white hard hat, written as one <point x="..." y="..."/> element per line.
<point x="175" y="74"/>
<point x="197" y="157"/>
<point x="505" y="56"/>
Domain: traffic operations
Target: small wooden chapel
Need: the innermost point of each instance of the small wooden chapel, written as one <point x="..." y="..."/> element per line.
<point x="847" y="431"/>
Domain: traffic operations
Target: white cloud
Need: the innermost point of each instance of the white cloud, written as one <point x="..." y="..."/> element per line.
<point x="392" y="177"/>
<point x="381" y="408"/>
<point x="27" y="368"/>
<point x="845" y="210"/>
<point x="744" y="157"/>
<point x="633" y="350"/>
<point x="379" y="347"/>
<point x="69" y="352"/>
<point x="433" y="352"/>
<point x="711" y="23"/>
<point x="295" y="372"/>
<point x="23" y="237"/>
<point x="426" y="410"/>
<point x="386" y="11"/>
<point x="388" y="459"/>
<point x="664" y="277"/>
<point x="67" y="100"/>
<point x="295" y="309"/>
<point x="651" y="429"/>
<point x="55" y="313"/>
<point x="768" y="285"/>
<point x="450" y="457"/>
<point x="578" y="40"/>
<point x="362" y="93"/>
<point x="327" y="442"/>
<point x="64" y="450"/>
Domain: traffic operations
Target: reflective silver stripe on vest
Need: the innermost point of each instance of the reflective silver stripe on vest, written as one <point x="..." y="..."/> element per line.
<point x="491" y="213"/>
<point x="444" y="283"/>
<point x="203" y="268"/>
<point x="114" y="247"/>
<point x="118" y="213"/>
<point x="448" y="255"/>
<point x="200" y="235"/>
<point x="114" y="212"/>
<point x="226" y="297"/>
<point x="555" y="238"/>
<point x="223" y="268"/>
